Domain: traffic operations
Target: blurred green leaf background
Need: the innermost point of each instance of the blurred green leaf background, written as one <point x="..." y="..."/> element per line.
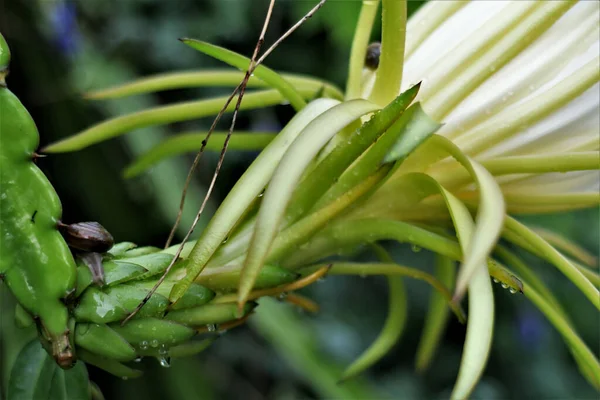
<point x="64" y="48"/>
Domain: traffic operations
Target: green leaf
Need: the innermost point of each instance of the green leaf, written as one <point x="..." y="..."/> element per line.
<point x="437" y="315"/>
<point x="208" y="78"/>
<point x="269" y="76"/>
<point x="35" y="376"/>
<point x="289" y="171"/>
<point x="243" y="194"/>
<point x="191" y="142"/>
<point x="163" y="115"/>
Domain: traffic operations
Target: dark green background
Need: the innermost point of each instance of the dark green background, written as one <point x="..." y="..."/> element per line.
<point x="55" y="57"/>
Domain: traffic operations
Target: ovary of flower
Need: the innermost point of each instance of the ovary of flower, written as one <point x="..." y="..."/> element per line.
<point x="512" y="78"/>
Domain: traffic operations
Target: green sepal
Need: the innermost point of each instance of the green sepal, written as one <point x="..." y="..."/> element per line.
<point x="154" y="263"/>
<point x="113" y="304"/>
<point x="111" y="366"/>
<point x="226" y="280"/>
<point x="140" y="251"/>
<point x="210" y="314"/>
<point x="119" y="249"/>
<point x="102" y="340"/>
<point x="195" y="296"/>
<point x="153" y="332"/>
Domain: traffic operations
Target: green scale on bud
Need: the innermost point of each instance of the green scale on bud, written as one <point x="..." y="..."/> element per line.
<point x="157" y="330"/>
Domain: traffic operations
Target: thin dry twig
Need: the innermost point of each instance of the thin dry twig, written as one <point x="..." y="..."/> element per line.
<point x="241" y="88"/>
<point x="254" y="63"/>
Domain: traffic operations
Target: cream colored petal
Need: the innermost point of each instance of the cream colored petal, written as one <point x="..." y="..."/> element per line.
<point x="539" y="64"/>
<point x="576" y="182"/>
<point x="454" y="32"/>
<point x="579" y="120"/>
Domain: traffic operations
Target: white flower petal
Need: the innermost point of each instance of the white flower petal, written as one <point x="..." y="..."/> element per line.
<point x="538" y="65"/>
<point x="454" y="31"/>
<point x="569" y="124"/>
<point x="574" y="182"/>
<point x="569" y="44"/>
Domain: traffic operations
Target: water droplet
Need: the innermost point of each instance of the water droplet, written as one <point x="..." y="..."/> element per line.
<point x="211" y="327"/>
<point x="415" y="248"/>
<point x="225" y="240"/>
<point x="138" y="359"/>
<point x="495" y="280"/>
<point x="164" y="362"/>
<point x="154" y="343"/>
<point x="143" y="345"/>
<point x="282" y="296"/>
<point x="124" y="378"/>
<point x="504" y="286"/>
<point x="163" y="350"/>
<point x="512" y="290"/>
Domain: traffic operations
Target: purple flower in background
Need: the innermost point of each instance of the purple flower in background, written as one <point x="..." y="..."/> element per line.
<point x="531" y="329"/>
<point x="64" y="24"/>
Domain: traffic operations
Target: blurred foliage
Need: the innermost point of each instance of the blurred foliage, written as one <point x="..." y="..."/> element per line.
<point x="62" y="48"/>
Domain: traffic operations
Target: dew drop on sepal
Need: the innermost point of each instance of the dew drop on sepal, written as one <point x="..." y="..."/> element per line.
<point x="164" y="362"/>
<point x="163" y="350"/>
<point x="282" y="296"/>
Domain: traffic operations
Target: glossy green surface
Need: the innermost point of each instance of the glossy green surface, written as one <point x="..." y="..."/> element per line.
<point x="36" y="264"/>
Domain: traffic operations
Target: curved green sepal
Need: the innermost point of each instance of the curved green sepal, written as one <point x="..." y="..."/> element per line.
<point x="153" y="332"/>
<point x="191" y="142"/>
<point x="103" y="341"/>
<point x="111" y="366"/>
<point x="209" y="314"/>
<point x="269" y="76"/>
